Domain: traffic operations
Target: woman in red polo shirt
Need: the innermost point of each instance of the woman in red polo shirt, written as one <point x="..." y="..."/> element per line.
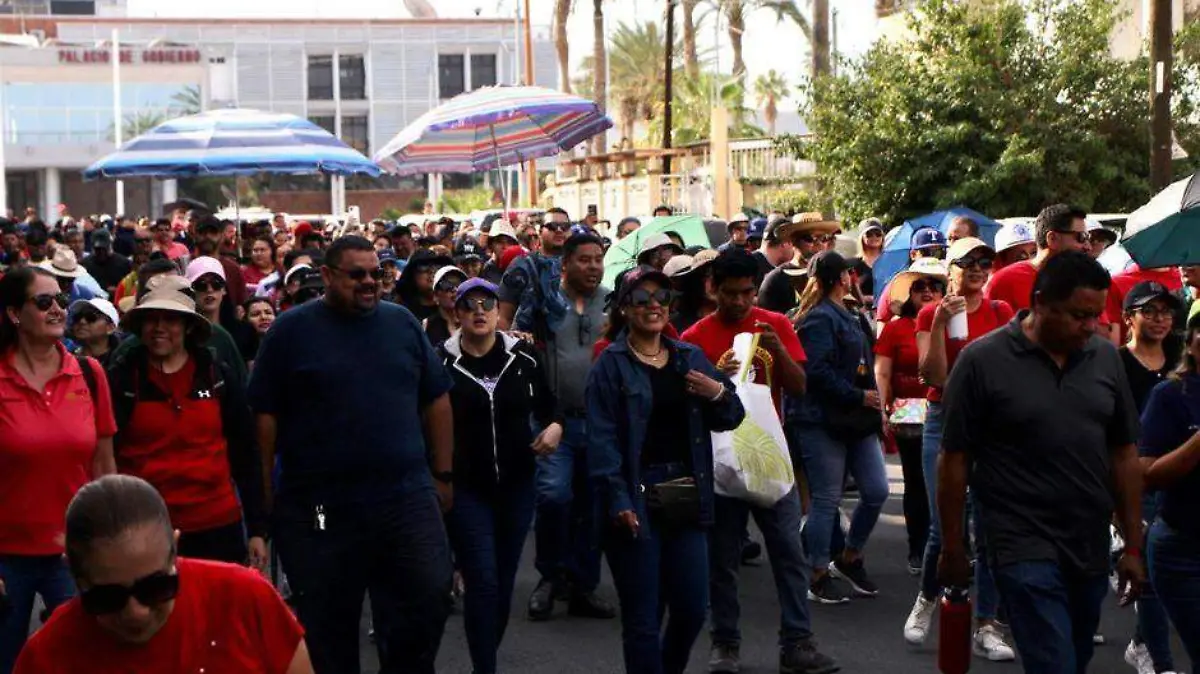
<point x="896" y="360"/>
<point x="185" y="427"/>
<point x="54" y="436"/>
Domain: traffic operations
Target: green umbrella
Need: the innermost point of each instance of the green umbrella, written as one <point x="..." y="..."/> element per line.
<point x="623" y="254"/>
<point x="1166" y="231"/>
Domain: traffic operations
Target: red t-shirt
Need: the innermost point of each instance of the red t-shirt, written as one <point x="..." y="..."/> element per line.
<point x="988" y="316"/>
<point x="226" y="619"/>
<point x="715" y="337"/>
<point x="175" y="250"/>
<point x="1014" y="285"/>
<point x="178" y="445"/>
<point x="898" y="341"/>
<point x="47" y="444"/>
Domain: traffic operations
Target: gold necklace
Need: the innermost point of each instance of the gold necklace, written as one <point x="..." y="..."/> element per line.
<point x="648" y="356"/>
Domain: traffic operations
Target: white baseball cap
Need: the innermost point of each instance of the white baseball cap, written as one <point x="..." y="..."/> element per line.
<point x="103" y="306"/>
<point x="1013" y="234"/>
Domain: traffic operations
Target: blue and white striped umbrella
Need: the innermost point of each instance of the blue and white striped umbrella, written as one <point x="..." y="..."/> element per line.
<point x="232" y="142"/>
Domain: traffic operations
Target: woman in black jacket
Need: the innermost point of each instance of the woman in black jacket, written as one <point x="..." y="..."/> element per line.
<point x="499" y="383"/>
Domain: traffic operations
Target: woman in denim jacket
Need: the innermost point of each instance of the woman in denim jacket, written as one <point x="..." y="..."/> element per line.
<point x="835" y="429"/>
<point x="652" y="404"/>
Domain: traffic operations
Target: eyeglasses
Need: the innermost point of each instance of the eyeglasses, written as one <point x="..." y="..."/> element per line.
<point x="447" y="286"/>
<point x="984" y="263"/>
<point x="88" y="317"/>
<point x="556" y="226"/>
<point x="472" y="304"/>
<point x="203" y="286"/>
<point x="157" y="588"/>
<point x="1080" y="237"/>
<point x="874" y="234"/>
<point x="1155" y="313"/>
<point x="44" y="301"/>
<point x="931" y="285"/>
<point x="640" y="297"/>
<point x="361" y="274"/>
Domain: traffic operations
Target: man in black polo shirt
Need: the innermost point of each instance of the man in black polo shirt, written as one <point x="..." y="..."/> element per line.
<point x="1041" y="414"/>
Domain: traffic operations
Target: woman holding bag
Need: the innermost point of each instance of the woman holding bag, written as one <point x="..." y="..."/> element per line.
<point x="837" y="424"/>
<point x="653" y="403"/>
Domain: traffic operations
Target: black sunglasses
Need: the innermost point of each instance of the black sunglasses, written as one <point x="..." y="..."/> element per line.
<point x="44" y="301"/>
<point x="640" y="297"/>
<point x="361" y="274"/>
<point x="556" y="226"/>
<point x="984" y="263"/>
<point x="157" y="588"/>
<point x="473" y="303"/>
<point x="932" y="285"/>
<point x="1080" y="237"/>
<point x="87" y="317"/>
<point x="446" y="286"/>
<point x="207" y="286"/>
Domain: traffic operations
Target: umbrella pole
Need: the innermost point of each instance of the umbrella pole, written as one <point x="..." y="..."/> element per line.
<point x="499" y="170"/>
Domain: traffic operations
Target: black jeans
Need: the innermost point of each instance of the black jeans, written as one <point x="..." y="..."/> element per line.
<point x="222" y="544"/>
<point x="916" y="500"/>
<point x="395" y="549"/>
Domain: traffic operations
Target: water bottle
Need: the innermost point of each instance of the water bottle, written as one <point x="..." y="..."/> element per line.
<point x="954" y="631"/>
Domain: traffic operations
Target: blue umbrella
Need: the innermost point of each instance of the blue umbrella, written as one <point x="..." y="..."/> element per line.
<point x="895" y="250"/>
<point x="232" y="142"/>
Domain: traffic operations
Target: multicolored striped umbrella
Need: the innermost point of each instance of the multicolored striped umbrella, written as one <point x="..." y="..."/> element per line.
<point x="232" y="142"/>
<point x="492" y="127"/>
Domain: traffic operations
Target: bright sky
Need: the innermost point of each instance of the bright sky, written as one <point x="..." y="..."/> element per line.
<point x="768" y="44"/>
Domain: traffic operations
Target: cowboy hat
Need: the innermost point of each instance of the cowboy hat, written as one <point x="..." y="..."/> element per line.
<point x="63" y="264"/>
<point x="815" y="223"/>
<point x="922" y="267"/>
<point x="167" y="298"/>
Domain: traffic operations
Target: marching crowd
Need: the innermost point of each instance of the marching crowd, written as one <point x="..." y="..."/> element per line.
<point x="191" y="394"/>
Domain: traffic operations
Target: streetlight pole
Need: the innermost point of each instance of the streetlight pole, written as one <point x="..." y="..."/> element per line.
<point x="531" y="177"/>
<point x="116" y="63"/>
<point x="1161" y="62"/>
<point x="668" y="61"/>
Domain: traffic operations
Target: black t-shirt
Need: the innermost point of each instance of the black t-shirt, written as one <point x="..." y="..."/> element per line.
<point x="764" y="267"/>
<point x="437" y="329"/>
<point x="485" y="368"/>
<point x="110" y="272"/>
<point x="866" y="275"/>
<point x="1141" y="380"/>
<point x="421" y="311"/>
<point x="776" y="292"/>
<point x="666" y="434"/>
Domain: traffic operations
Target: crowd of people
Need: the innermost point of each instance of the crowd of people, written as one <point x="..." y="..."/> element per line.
<point x="185" y="398"/>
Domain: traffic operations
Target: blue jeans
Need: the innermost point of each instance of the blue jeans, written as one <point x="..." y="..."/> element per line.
<point x="1153" y="626"/>
<point x="826" y="461"/>
<point x="1174" y="561"/>
<point x="488" y="533"/>
<point x="397" y="550"/>
<point x="566" y="512"/>
<point x="664" y="571"/>
<point x="24" y="577"/>
<point x="779" y="525"/>
<point x="986" y="601"/>
<point x="1054" y="613"/>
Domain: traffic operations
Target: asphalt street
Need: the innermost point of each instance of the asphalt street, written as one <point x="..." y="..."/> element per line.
<point x="864" y="635"/>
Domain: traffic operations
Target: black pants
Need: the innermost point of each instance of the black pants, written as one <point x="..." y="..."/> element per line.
<point x="397" y="551"/>
<point x="222" y="544"/>
<point x="916" y="500"/>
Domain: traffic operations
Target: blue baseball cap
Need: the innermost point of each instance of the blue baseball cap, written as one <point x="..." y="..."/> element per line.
<point x="476" y="284"/>
<point x="758" y="228"/>
<point x="927" y="237"/>
<point x="388" y="255"/>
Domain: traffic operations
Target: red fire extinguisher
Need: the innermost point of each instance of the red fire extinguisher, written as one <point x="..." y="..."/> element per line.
<point x="954" y="631"/>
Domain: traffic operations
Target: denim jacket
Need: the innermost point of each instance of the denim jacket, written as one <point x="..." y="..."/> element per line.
<point x="835" y="344"/>
<point x="619" y="401"/>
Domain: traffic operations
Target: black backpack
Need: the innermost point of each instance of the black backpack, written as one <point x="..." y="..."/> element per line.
<point x="89" y="375"/>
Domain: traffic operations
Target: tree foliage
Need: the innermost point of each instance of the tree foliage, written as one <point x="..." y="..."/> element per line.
<point x="1005" y="106"/>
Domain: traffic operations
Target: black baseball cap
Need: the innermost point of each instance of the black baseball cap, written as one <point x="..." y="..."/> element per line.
<point x="1147" y="291"/>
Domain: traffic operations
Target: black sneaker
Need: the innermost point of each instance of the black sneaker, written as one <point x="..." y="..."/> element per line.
<point x="856" y="575"/>
<point x="541" y="602"/>
<point x="804" y="658"/>
<point x="752" y="553"/>
<point x="590" y="605"/>
<point x="826" y="590"/>
<point x="916" y="565"/>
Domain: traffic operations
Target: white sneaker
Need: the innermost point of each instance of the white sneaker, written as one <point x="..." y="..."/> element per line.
<point x="916" y="628"/>
<point x="1138" y="657"/>
<point x="989" y="643"/>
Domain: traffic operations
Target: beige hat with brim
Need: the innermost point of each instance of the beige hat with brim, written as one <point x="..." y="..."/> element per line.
<point x="63" y="264"/>
<point x="965" y="246"/>
<point x="922" y="267"/>
<point x="166" y="300"/>
<point x="816" y="223"/>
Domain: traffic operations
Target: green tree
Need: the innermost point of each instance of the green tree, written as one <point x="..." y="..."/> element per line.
<point x="187" y="101"/>
<point x="692" y="104"/>
<point x="769" y="89"/>
<point x="637" y="79"/>
<point x="1003" y="106"/>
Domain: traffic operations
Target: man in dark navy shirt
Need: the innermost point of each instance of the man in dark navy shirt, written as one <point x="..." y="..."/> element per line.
<point x="351" y="398"/>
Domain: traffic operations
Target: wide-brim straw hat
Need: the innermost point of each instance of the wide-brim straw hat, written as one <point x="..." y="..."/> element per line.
<point x="922" y="267"/>
<point x="63" y="264"/>
<point x="170" y="300"/>
<point x="814" y="223"/>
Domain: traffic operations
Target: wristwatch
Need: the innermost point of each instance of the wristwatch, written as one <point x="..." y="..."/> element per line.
<point x="445" y="476"/>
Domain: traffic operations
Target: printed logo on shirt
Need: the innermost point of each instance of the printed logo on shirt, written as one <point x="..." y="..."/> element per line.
<point x="202" y="394"/>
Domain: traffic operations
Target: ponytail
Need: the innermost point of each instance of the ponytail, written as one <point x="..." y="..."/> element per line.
<point x="811" y="297"/>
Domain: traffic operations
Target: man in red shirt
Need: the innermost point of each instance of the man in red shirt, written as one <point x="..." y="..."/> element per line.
<point x="733" y="274"/>
<point x="141" y="608"/>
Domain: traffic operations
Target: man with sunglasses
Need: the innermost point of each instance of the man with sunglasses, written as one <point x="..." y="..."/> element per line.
<point x="738" y="228"/>
<point x="529" y="288"/>
<point x="359" y="491"/>
<point x="93" y="326"/>
<point x="141" y="608"/>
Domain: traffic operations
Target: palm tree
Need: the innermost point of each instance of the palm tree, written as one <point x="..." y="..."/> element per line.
<point x="562" y="11"/>
<point x="769" y="89"/>
<point x="819" y="38"/>
<point x="136" y="123"/>
<point x="599" y="69"/>
<point x="736" y="11"/>
<point x="187" y="101"/>
<point x="636" y="75"/>
<point x="691" y="63"/>
<point x="692" y="104"/>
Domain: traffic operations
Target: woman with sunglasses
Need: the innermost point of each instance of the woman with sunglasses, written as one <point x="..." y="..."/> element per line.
<point x="185" y="427"/>
<point x="653" y="403"/>
<point x="143" y="608"/>
<point x="439" y="326"/>
<point x="415" y="286"/>
<point x="214" y="302"/>
<point x="896" y="364"/>
<point x="938" y="345"/>
<point x="499" y="384"/>
<point x="56" y="429"/>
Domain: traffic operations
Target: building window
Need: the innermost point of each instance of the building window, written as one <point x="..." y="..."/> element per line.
<point x="354" y="132"/>
<point x="75" y="7"/>
<point x="320" y="78"/>
<point x="353" y="78"/>
<point x="451" y="75"/>
<point x="327" y="122"/>
<point x="483" y="70"/>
